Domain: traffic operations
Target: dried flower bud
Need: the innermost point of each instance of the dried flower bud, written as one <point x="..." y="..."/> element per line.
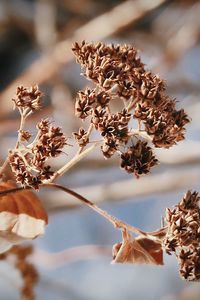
<point x="183" y="235"/>
<point x="43" y="126"/>
<point x="109" y="147"/>
<point x="141" y="111"/>
<point x="115" y="126"/>
<point x="102" y="98"/>
<point x="25" y="136"/>
<point x="83" y="103"/>
<point x="28" y="98"/>
<point x="107" y="65"/>
<point x="51" y="140"/>
<point x="119" y="75"/>
<point x="138" y="159"/>
<point x="81" y="137"/>
<point x="46" y="173"/>
<point x="97" y="116"/>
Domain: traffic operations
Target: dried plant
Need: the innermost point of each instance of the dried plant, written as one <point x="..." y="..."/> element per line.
<point x="125" y="94"/>
<point x="121" y="78"/>
<point x="183" y="235"/>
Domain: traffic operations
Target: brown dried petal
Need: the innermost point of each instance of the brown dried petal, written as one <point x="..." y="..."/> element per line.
<point x="137" y="251"/>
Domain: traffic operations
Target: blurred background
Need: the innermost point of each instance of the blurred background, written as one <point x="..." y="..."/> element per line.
<point x="74" y="255"/>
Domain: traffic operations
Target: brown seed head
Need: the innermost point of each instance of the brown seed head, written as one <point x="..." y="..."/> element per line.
<point x="28" y="98"/>
<point x="183" y="235"/>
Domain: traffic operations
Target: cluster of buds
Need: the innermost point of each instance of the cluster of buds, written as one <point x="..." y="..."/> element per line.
<point x="183" y="235"/>
<point x="119" y="76"/>
<point x="29" y="162"/>
<point x="28" y="98"/>
<point x="138" y="159"/>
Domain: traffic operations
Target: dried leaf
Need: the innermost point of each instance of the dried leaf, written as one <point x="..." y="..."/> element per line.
<point x="141" y="250"/>
<point x="22" y="217"/>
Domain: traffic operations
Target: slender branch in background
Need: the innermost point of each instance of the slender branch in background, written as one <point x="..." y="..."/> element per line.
<point x="68" y="256"/>
<point x="48" y="64"/>
<point x="3" y="168"/>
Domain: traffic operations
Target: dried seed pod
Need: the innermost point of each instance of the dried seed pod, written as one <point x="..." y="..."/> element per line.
<point x="183" y="235"/>
<point x="118" y="72"/>
<point x="22" y="217"/>
<point x="28" y="98"/>
<point x="109" y="147"/>
<point x="81" y="137"/>
<point x="138" y="159"/>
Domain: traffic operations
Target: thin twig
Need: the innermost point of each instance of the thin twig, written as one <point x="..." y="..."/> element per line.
<point x="51" y="260"/>
<point x="22" y="121"/>
<point x="113" y="220"/>
<point x="3" y="167"/>
<point x="72" y="162"/>
<point x="141" y="133"/>
<point x="89" y="131"/>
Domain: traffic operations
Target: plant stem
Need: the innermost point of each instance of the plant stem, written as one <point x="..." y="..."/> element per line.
<point x="158" y="235"/>
<point x="72" y="162"/>
<point x="141" y="133"/>
<point x="3" y="167"/>
<point x="87" y="136"/>
<point x="22" y="121"/>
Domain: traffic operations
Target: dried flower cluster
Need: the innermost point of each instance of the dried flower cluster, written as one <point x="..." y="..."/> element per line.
<point x="118" y="73"/>
<point x="138" y="159"/>
<point x="29" y="162"/>
<point x="183" y="235"/>
<point x="28" y="98"/>
<point x="140" y="97"/>
<point x="27" y="270"/>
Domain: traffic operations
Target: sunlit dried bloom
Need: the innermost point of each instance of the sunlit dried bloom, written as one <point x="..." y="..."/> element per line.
<point x="51" y="141"/>
<point x="111" y="127"/>
<point x="43" y="125"/>
<point x="164" y="124"/>
<point x="120" y="76"/>
<point x="183" y="235"/>
<point x="81" y="137"/>
<point x="107" y="65"/>
<point x="97" y="116"/>
<point x="138" y="159"/>
<point x="29" y="164"/>
<point x="82" y="107"/>
<point x="28" y="98"/>
<point x="88" y="100"/>
<point x="109" y="147"/>
<point x="25" y="135"/>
